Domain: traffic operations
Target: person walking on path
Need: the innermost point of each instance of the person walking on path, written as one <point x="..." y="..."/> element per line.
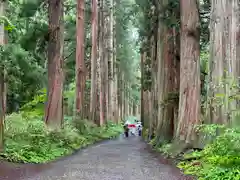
<point x="126" y="129"/>
<point x="139" y="128"/>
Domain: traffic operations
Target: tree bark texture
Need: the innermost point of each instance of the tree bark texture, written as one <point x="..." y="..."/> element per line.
<point x="224" y="60"/>
<point x="110" y="60"/>
<point x="93" y="101"/>
<point x="189" y="97"/>
<point x="54" y="106"/>
<point x="115" y="76"/>
<point x="80" y="70"/>
<point x="103" y="71"/>
<point x="2" y="83"/>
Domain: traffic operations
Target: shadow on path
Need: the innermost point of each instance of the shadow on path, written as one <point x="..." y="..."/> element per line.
<point x="122" y="159"/>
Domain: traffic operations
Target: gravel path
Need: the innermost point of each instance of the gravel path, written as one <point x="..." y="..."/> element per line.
<point x="122" y="159"/>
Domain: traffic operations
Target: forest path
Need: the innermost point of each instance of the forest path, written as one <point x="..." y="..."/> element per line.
<point x="122" y="159"/>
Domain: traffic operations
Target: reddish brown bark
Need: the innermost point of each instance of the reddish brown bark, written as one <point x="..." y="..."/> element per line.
<point x="93" y="101"/>
<point x="189" y="102"/>
<point x="176" y="72"/>
<point x="54" y="106"/>
<point x="101" y="63"/>
<point x="80" y="64"/>
<point x="115" y="75"/>
<point x="166" y="82"/>
<point x="168" y="53"/>
<point x="110" y="63"/>
<point x="104" y="61"/>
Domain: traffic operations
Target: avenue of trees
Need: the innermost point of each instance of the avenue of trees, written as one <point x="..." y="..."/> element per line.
<point x="190" y="83"/>
<point x="71" y="70"/>
<point x="69" y="74"/>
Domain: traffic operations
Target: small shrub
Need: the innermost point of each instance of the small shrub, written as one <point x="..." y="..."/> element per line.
<point x="219" y="160"/>
<point x="165" y="149"/>
<point x="28" y="140"/>
<point x="145" y="133"/>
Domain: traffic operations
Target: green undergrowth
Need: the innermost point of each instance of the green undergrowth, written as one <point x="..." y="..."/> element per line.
<point x="219" y="160"/>
<point x="145" y="133"/>
<point x="27" y="140"/>
<point x="164" y="148"/>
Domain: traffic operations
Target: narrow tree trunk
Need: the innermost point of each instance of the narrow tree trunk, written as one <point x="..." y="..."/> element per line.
<point x="238" y="54"/>
<point x="5" y="71"/>
<point x="2" y="93"/>
<point x="115" y="73"/>
<point x="142" y="88"/>
<point x="189" y="102"/>
<point x="232" y="59"/>
<point x="235" y="59"/>
<point x="166" y="89"/>
<point x="80" y="63"/>
<point x="123" y="97"/>
<point x="134" y="109"/>
<point x="130" y="106"/>
<point x="93" y="101"/>
<point x="115" y="95"/>
<point x="161" y="125"/>
<point x="152" y="116"/>
<point x="137" y="110"/>
<point x="103" y="70"/>
<point x="124" y="100"/>
<point x="2" y="112"/>
<point x="54" y="106"/>
<point x="224" y="61"/>
<point x="110" y="63"/>
<point x="217" y="113"/>
<point x="176" y="72"/>
<point x="120" y="94"/>
<point x="147" y="112"/>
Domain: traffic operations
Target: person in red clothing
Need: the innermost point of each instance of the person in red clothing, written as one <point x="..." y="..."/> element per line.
<point x="132" y="126"/>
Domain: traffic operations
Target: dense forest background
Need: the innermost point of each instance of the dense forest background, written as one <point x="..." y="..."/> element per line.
<point x="71" y="71"/>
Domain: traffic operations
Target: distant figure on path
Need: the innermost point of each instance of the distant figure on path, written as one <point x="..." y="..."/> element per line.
<point x="139" y="128"/>
<point x="132" y="127"/>
<point x="126" y="129"/>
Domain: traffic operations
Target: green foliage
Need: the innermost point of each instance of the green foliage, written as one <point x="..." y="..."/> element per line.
<point x="36" y="106"/>
<point x="28" y="140"/>
<point x="127" y="49"/>
<point x="24" y="58"/>
<point x="145" y="133"/>
<point x="167" y="16"/>
<point x="204" y="58"/>
<point x="163" y="148"/>
<point x="219" y="160"/>
<point x="7" y="24"/>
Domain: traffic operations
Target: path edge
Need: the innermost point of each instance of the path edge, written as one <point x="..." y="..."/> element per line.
<point x="65" y="157"/>
<point x="168" y="161"/>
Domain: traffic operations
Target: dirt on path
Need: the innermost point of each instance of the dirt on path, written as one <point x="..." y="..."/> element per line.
<point x="122" y="159"/>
